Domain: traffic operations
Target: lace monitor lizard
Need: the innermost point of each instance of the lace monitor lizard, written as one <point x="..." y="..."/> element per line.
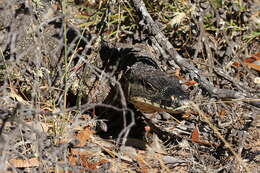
<point x="145" y="85"/>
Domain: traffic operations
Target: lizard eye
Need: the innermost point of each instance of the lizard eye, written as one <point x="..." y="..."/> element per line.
<point x="149" y="86"/>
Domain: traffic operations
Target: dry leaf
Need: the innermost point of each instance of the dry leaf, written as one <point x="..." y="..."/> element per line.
<point x="187" y="114"/>
<point x="178" y="74"/>
<point x="73" y="159"/>
<point x="253" y="61"/>
<point x="195" y="135"/>
<point x="191" y="83"/>
<point x="249" y="60"/>
<point x="20" y="163"/>
<point x="96" y="164"/>
<point x="256" y="56"/>
<point x="142" y="164"/>
<point x="254" y="66"/>
<point x="223" y="113"/>
<point x="82" y="160"/>
<point x="83" y="136"/>
<point x="81" y="157"/>
<point x="236" y="64"/>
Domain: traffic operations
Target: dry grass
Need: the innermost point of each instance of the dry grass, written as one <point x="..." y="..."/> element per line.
<point x="54" y="87"/>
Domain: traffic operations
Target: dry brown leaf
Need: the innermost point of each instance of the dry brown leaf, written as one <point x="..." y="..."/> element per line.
<point x="195" y="135"/>
<point x="223" y="113"/>
<point x="96" y="164"/>
<point x="178" y="73"/>
<point x="253" y="61"/>
<point x="82" y="160"/>
<point x="188" y="113"/>
<point x="256" y="56"/>
<point x="254" y="66"/>
<point x="20" y="163"/>
<point x="191" y="83"/>
<point x="249" y="60"/>
<point x="142" y="164"/>
<point x="73" y="159"/>
<point x="236" y="64"/>
<point x="83" y="136"/>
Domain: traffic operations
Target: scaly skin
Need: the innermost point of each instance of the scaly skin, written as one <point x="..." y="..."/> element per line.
<point x="146" y="86"/>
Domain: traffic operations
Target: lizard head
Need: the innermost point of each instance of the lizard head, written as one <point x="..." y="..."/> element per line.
<point x="152" y="90"/>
